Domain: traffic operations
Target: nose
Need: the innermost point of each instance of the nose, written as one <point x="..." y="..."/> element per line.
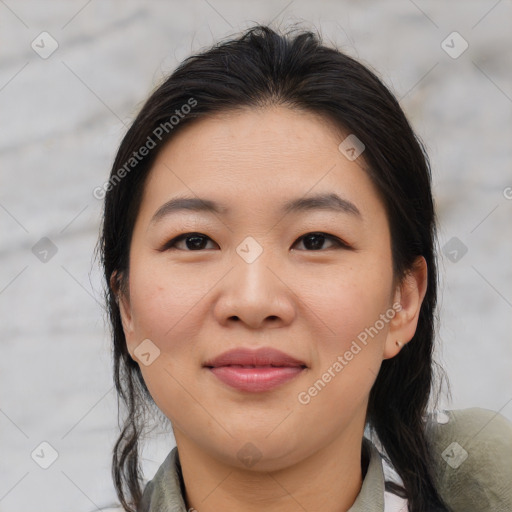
<point x="257" y="294"/>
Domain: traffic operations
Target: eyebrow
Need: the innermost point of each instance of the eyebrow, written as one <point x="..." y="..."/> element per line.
<point x="327" y="202"/>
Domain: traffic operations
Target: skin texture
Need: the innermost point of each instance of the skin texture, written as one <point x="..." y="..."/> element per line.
<point x="312" y="304"/>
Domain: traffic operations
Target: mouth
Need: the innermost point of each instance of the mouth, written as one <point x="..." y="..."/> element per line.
<point x="255" y="370"/>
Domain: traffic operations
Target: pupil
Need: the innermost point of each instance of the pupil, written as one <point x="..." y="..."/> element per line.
<point x="198" y="242"/>
<point x="317" y="241"/>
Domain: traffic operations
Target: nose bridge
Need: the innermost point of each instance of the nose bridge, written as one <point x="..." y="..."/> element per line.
<point x="252" y="273"/>
<point x="253" y="291"/>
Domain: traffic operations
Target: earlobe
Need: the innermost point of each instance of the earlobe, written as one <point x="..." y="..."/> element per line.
<point x="410" y="294"/>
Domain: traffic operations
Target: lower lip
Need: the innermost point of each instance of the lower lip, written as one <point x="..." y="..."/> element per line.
<point x="256" y="379"/>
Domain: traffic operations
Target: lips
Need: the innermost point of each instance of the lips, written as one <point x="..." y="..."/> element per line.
<point x="255" y="370"/>
<point x="252" y="358"/>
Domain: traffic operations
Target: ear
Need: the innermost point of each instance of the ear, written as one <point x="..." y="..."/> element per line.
<point x="409" y="293"/>
<point x="123" y="301"/>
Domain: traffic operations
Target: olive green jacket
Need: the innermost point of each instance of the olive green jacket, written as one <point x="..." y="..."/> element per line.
<point x="472" y="451"/>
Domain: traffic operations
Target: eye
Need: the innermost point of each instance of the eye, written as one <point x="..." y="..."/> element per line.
<point x="198" y="241"/>
<point x="193" y="242"/>
<point x="315" y="241"/>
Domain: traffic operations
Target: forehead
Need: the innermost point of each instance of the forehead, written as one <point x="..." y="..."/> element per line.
<point x="256" y="158"/>
<point x="264" y="134"/>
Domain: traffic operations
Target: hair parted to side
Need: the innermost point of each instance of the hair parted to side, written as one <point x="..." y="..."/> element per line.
<point x="263" y="67"/>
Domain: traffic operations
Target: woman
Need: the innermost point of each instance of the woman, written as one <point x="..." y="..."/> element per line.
<point x="268" y="244"/>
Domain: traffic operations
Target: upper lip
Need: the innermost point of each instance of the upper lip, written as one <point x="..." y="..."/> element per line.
<point x="265" y="356"/>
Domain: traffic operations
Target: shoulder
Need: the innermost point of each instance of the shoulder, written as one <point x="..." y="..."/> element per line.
<point x="472" y="451"/>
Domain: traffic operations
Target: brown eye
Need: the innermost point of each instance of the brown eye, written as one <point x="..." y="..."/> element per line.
<point x="315" y="241"/>
<point x="198" y="242"/>
<point x="192" y="242"/>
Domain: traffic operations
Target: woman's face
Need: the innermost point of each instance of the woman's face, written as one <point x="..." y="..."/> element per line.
<point x="250" y="279"/>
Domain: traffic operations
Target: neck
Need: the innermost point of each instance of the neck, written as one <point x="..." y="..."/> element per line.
<point x="329" y="480"/>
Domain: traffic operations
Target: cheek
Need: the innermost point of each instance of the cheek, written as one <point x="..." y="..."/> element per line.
<point x="163" y="301"/>
<point x="350" y="305"/>
<point x="346" y="301"/>
<point x="349" y="355"/>
<point x="166" y="307"/>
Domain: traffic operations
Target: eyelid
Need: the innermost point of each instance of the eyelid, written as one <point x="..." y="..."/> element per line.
<point x="339" y="243"/>
<point x="169" y="245"/>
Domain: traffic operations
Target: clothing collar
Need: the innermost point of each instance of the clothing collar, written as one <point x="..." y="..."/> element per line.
<point x="165" y="493"/>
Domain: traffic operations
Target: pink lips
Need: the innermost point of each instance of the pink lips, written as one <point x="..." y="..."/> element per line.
<point x="255" y="370"/>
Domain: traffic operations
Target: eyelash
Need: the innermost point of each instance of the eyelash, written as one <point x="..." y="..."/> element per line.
<point x="170" y="245"/>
